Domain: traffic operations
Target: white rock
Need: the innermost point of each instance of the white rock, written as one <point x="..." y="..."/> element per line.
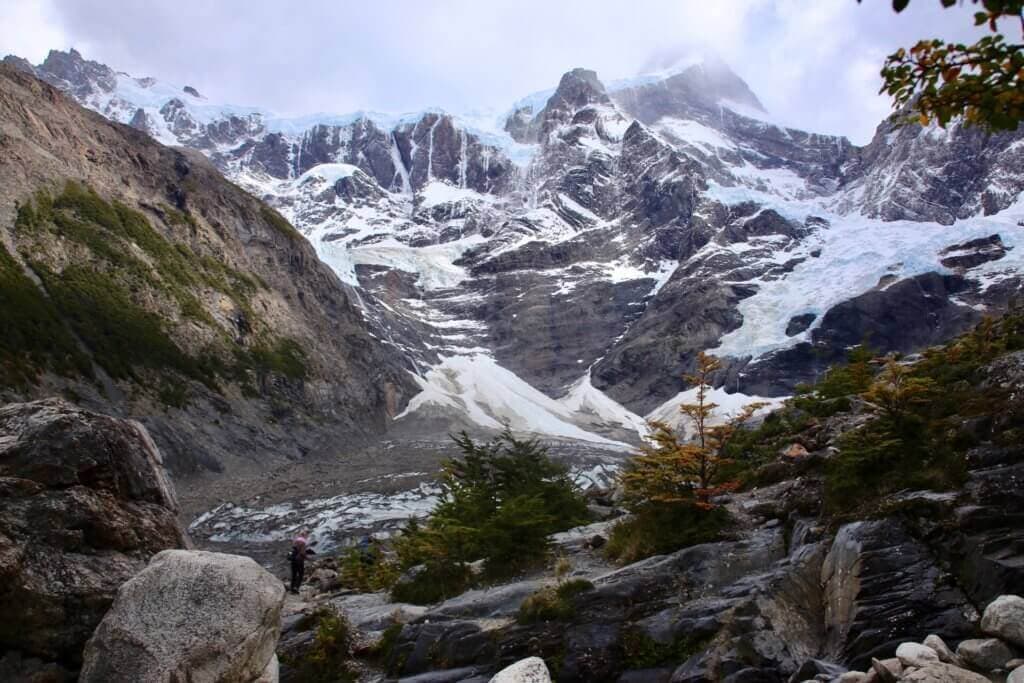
<point x="1004" y="619"/>
<point x="1016" y="676"/>
<point x="985" y="654"/>
<point x="941" y="649"/>
<point x="852" y="677"/>
<point x="529" y="670"/>
<point x="189" y="616"/>
<point x="915" y="654"/>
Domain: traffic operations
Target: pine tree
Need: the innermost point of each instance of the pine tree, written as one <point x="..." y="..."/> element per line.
<point x="896" y="391"/>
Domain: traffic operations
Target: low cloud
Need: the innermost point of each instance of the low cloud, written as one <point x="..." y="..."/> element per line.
<point x="813" y="64"/>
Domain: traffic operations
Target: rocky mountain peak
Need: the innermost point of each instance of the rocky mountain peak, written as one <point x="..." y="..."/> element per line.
<point x="71" y="72"/>
<point x="578" y="88"/>
<point x="697" y="89"/>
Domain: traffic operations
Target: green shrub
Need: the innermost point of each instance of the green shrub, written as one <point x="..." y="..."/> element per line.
<point x="120" y="334"/>
<point x="552" y="603"/>
<point x="367" y="570"/>
<point x="439" y="580"/>
<point x="285" y="357"/>
<point x="658" y="529"/>
<point x="852" y="378"/>
<point x="640" y="651"/>
<point x="328" y="658"/>
<point x="499" y="503"/>
<point x="914" y="441"/>
<point x="97" y="298"/>
<point x="278" y="222"/>
<point x="384" y="649"/>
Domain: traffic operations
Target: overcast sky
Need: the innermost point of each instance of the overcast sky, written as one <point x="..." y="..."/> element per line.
<point x="813" y="63"/>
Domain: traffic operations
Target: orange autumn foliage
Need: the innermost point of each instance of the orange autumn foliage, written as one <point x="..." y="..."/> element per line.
<point x="672" y="469"/>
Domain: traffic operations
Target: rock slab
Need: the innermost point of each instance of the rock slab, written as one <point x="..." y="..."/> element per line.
<point x="189" y="616"/>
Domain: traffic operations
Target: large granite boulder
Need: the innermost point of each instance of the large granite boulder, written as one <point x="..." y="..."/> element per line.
<point x="529" y="670"/>
<point x="84" y="504"/>
<point x="189" y="616"/>
<point x="1004" y="618"/>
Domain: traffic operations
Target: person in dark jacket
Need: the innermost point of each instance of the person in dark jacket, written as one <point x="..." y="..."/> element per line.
<point x="297" y="558"/>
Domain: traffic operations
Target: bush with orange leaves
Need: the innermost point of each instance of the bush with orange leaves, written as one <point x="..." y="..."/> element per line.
<point x="671" y="483"/>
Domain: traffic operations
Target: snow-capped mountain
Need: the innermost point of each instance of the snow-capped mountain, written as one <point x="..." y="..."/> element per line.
<point x="560" y="266"/>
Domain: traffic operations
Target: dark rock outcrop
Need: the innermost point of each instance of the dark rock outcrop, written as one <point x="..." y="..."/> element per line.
<point x="84" y="504"/>
<point x="882" y="587"/>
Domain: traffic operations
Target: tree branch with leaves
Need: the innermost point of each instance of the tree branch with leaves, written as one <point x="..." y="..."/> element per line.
<point x="983" y="83"/>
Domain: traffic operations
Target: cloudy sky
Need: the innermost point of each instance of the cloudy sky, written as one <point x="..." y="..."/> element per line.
<point x="813" y="63"/>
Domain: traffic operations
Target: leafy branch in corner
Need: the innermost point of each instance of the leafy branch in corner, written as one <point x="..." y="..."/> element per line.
<point x="983" y="82"/>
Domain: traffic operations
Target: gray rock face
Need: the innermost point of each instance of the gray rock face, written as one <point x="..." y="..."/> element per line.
<point x="870" y="607"/>
<point x="577" y="90"/>
<point x="974" y="252"/>
<point x="296" y="294"/>
<point x="904" y="316"/>
<point x="192" y="616"/>
<point x="70" y="72"/>
<point x="84" y="504"/>
<point x="971" y="171"/>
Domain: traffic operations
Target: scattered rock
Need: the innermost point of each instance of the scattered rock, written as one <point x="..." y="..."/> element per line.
<point x="985" y="654"/>
<point x="852" y="677"/>
<point x="886" y="671"/>
<point x="939" y="672"/>
<point x="795" y="450"/>
<point x="530" y="670"/>
<point x="941" y="649"/>
<point x="915" y="654"/>
<point x="813" y="668"/>
<point x="1004" y="618"/>
<point x="189" y="616"/>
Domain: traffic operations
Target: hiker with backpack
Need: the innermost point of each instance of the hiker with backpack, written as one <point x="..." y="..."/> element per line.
<point x="297" y="558"/>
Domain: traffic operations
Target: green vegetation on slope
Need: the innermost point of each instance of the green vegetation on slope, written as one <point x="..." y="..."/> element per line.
<point x="552" y="603"/>
<point x="903" y="425"/>
<point x="32" y="335"/>
<point x="112" y="282"/>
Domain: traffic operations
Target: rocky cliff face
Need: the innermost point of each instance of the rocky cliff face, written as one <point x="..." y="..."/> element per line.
<point x="84" y="503"/>
<point x="144" y="283"/>
<point x="561" y="268"/>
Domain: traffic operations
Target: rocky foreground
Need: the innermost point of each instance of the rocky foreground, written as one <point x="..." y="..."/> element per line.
<point x="99" y="583"/>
